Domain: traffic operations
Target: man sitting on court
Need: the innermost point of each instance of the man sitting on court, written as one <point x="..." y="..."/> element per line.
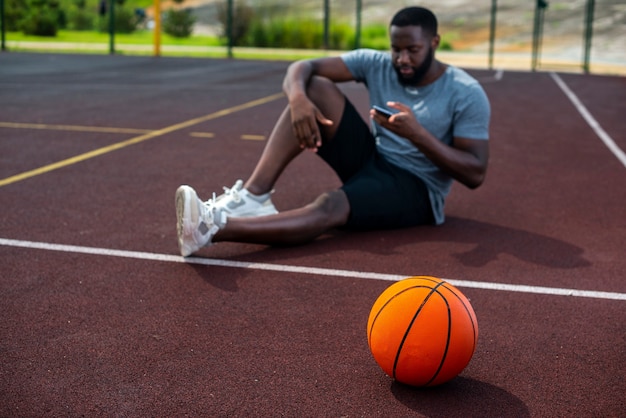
<point x="396" y="175"/>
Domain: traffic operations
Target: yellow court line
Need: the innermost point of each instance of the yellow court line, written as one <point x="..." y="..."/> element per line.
<point x="77" y="128"/>
<point x="253" y="137"/>
<point x="203" y="134"/>
<point x="103" y="129"/>
<point x="137" y="139"/>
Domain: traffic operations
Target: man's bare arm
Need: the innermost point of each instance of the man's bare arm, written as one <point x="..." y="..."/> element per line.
<point x="465" y="160"/>
<point x="305" y="115"/>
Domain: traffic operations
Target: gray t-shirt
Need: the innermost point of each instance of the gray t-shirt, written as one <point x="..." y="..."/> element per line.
<point x="455" y="105"/>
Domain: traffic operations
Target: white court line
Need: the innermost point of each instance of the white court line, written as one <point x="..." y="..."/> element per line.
<point x="497" y="76"/>
<point x="608" y="141"/>
<point x="305" y="270"/>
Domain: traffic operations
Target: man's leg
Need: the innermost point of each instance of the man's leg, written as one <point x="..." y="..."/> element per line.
<point x="282" y="145"/>
<point x="199" y="225"/>
<point x="290" y="227"/>
<point x="304" y="224"/>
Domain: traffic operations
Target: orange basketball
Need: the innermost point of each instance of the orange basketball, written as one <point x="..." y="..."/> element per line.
<point x="422" y="331"/>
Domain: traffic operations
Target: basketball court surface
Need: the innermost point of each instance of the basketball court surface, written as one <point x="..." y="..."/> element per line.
<point x="102" y="317"/>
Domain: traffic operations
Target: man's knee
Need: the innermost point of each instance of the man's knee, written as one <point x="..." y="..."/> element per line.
<point x="333" y="207"/>
<point x="321" y="90"/>
<point x="327" y="97"/>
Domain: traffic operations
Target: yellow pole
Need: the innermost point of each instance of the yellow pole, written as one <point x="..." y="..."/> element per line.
<point x="157" y="28"/>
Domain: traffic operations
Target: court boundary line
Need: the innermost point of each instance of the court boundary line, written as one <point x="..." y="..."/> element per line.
<point x="73" y="128"/>
<point x="591" y="121"/>
<point x="146" y="256"/>
<point x="109" y="130"/>
<point x="135" y="140"/>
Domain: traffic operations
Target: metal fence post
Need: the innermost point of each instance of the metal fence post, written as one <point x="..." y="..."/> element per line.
<point x="112" y="27"/>
<point x="540" y="7"/>
<point x="3" y="23"/>
<point x="492" y="31"/>
<point x="588" y="33"/>
<point x="326" y="24"/>
<point x="357" y="36"/>
<point x="229" y="27"/>
<point x="156" y="35"/>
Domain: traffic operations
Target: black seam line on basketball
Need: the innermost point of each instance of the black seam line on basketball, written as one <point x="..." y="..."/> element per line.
<point x="382" y="308"/>
<point x="406" y="334"/>
<point x="445" y="351"/>
<point x="474" y="325"/>
<point x="369" y="331"/>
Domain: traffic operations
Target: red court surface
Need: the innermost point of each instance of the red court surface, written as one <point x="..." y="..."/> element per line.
<point x="102" y="317"/>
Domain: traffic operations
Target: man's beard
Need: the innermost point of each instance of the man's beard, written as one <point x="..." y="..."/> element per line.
<point x="418" y="72"/>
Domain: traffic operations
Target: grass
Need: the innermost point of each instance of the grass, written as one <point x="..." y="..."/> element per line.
<point x="194" y="46"/>
<point x="141" y="43"/>
<point x="137" y="38"/>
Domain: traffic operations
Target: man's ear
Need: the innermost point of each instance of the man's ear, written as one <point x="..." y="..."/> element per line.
<point x="435" y="41"/>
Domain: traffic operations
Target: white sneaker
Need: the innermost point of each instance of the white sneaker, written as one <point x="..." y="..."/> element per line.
<point x="239" y="202"/>
<point x="197" y="222"/>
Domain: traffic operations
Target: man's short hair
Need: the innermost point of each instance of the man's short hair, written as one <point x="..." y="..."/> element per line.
<point x="416" y="16"/>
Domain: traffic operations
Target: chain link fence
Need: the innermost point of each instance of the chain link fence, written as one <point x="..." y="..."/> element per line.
<point x="575" y="34"/>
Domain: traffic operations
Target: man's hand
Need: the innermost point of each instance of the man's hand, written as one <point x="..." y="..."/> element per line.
<point x="465" y="160"/>
<point x="305" y="117"/>
<point x="402" y="123"/>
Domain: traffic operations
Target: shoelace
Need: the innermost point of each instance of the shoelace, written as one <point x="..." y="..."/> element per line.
<point x="232" y="193"/>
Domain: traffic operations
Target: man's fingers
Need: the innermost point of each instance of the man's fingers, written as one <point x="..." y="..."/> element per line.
<point x="323" y="120"/>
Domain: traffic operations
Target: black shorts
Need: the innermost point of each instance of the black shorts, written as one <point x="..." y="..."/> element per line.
<point x="381" y="195"/>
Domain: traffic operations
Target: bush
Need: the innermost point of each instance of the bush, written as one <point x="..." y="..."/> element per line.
<point x="42" y="18"/>
<point x="243" y="22"/>
<point x="126" y="20"/>
<point x="296" y="33"/>
<point x="14" y="13"/>
<point x="259" y="27"/>
<point x="79" y="18"/>
<point x="179" y="23"/>
<point x="445" y="45"/>
<point x="43" y="23"/>
<point x="375" y="37"/>
<point x="342" y="37"/>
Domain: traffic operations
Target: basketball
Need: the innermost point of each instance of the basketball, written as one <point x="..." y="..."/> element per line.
<point x="422" y="331"/>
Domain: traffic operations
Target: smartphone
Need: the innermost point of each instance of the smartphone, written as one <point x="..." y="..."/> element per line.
<point x="381" y="111"/>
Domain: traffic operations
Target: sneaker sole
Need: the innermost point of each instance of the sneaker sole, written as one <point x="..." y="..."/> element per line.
<point x="184" y="219"/>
